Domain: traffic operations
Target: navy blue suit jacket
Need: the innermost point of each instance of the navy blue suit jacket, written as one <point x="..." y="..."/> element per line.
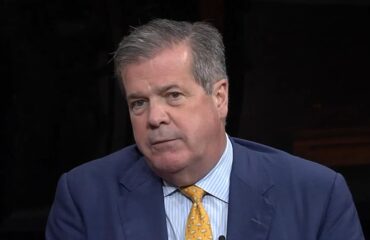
<point x="273" y="195"/>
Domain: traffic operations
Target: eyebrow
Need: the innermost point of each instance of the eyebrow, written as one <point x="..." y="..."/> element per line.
<point x="166" y="88"/>
<point x="133" y="96"/>
<point x="157" y="90"/>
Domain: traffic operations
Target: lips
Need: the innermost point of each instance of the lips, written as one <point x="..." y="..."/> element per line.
<point x="157" y="142"/>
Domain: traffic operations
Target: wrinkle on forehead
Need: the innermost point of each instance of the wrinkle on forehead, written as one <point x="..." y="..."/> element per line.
<point x="167" y="67"/>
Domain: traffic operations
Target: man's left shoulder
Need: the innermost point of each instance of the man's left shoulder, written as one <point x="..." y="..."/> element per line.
<point x="281" y="166"/>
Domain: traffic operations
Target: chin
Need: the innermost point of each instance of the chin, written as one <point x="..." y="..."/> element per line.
<point x="167" y="164"/>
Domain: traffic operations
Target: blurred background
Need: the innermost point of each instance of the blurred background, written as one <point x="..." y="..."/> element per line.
<point x="298" y="69"/>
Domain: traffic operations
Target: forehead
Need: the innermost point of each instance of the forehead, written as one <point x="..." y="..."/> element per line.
<point x="168" y="65"/>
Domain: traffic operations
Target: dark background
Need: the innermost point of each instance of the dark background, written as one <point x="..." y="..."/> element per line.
<point x="298" y="81"/>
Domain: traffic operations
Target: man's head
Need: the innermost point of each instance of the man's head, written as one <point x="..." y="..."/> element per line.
<point x="177" y="93"/>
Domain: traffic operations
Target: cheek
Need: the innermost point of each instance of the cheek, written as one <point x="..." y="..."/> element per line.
<point x="138" y="128"/>
<point x="200" y="125"/>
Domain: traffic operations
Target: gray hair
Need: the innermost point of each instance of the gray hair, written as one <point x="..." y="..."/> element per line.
<point x="144" y="42"/>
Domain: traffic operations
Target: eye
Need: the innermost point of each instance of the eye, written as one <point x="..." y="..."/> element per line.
<point x="174" y="98"/>
<point x="174" y="95"/>
<point x="138" y="105"/>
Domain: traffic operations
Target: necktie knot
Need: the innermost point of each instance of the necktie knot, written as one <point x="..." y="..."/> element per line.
<point x="198" y="226"/>
<point x="194" y="193"/>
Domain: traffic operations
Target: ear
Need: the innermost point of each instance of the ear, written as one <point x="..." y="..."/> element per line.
<point x="220" y="96"/>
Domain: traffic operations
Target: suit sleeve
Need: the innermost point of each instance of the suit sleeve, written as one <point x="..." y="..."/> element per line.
<point x="64" y="221"/>
<point x="341" y="221"/>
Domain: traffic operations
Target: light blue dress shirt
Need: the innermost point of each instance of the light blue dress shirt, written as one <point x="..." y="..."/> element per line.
<point x="216" y="184"/>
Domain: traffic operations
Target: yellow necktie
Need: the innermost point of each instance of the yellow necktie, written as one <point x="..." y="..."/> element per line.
<point x="198" y="226"/>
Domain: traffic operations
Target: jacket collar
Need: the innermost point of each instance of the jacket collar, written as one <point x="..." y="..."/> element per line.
<point x="141" y="204"/>
<point x="251" y="208"/>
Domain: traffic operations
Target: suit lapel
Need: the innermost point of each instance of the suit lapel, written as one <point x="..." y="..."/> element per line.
<point x="141" y="204"/>
<point x="250" y="208"/>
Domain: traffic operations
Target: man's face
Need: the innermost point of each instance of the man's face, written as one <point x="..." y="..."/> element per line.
<point x="177" y="126"/>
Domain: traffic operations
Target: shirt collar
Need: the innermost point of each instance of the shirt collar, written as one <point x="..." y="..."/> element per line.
<point x="217" y="181"/>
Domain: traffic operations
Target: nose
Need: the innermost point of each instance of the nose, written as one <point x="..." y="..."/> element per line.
<point x="158" y="115"/>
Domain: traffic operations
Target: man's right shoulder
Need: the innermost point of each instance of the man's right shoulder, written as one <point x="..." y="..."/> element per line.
<point x="112" y="164"/>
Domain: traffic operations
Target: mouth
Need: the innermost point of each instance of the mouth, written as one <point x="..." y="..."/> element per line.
<point x="164" y="141"/>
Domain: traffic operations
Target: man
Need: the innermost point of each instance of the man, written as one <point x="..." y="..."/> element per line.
<point x="174" y="79"/>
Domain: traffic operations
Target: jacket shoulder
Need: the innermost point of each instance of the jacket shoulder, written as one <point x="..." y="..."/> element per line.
<point x="104" y="171"/>
<point x="122" y="158"/>
<point x="282" y="167"/>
